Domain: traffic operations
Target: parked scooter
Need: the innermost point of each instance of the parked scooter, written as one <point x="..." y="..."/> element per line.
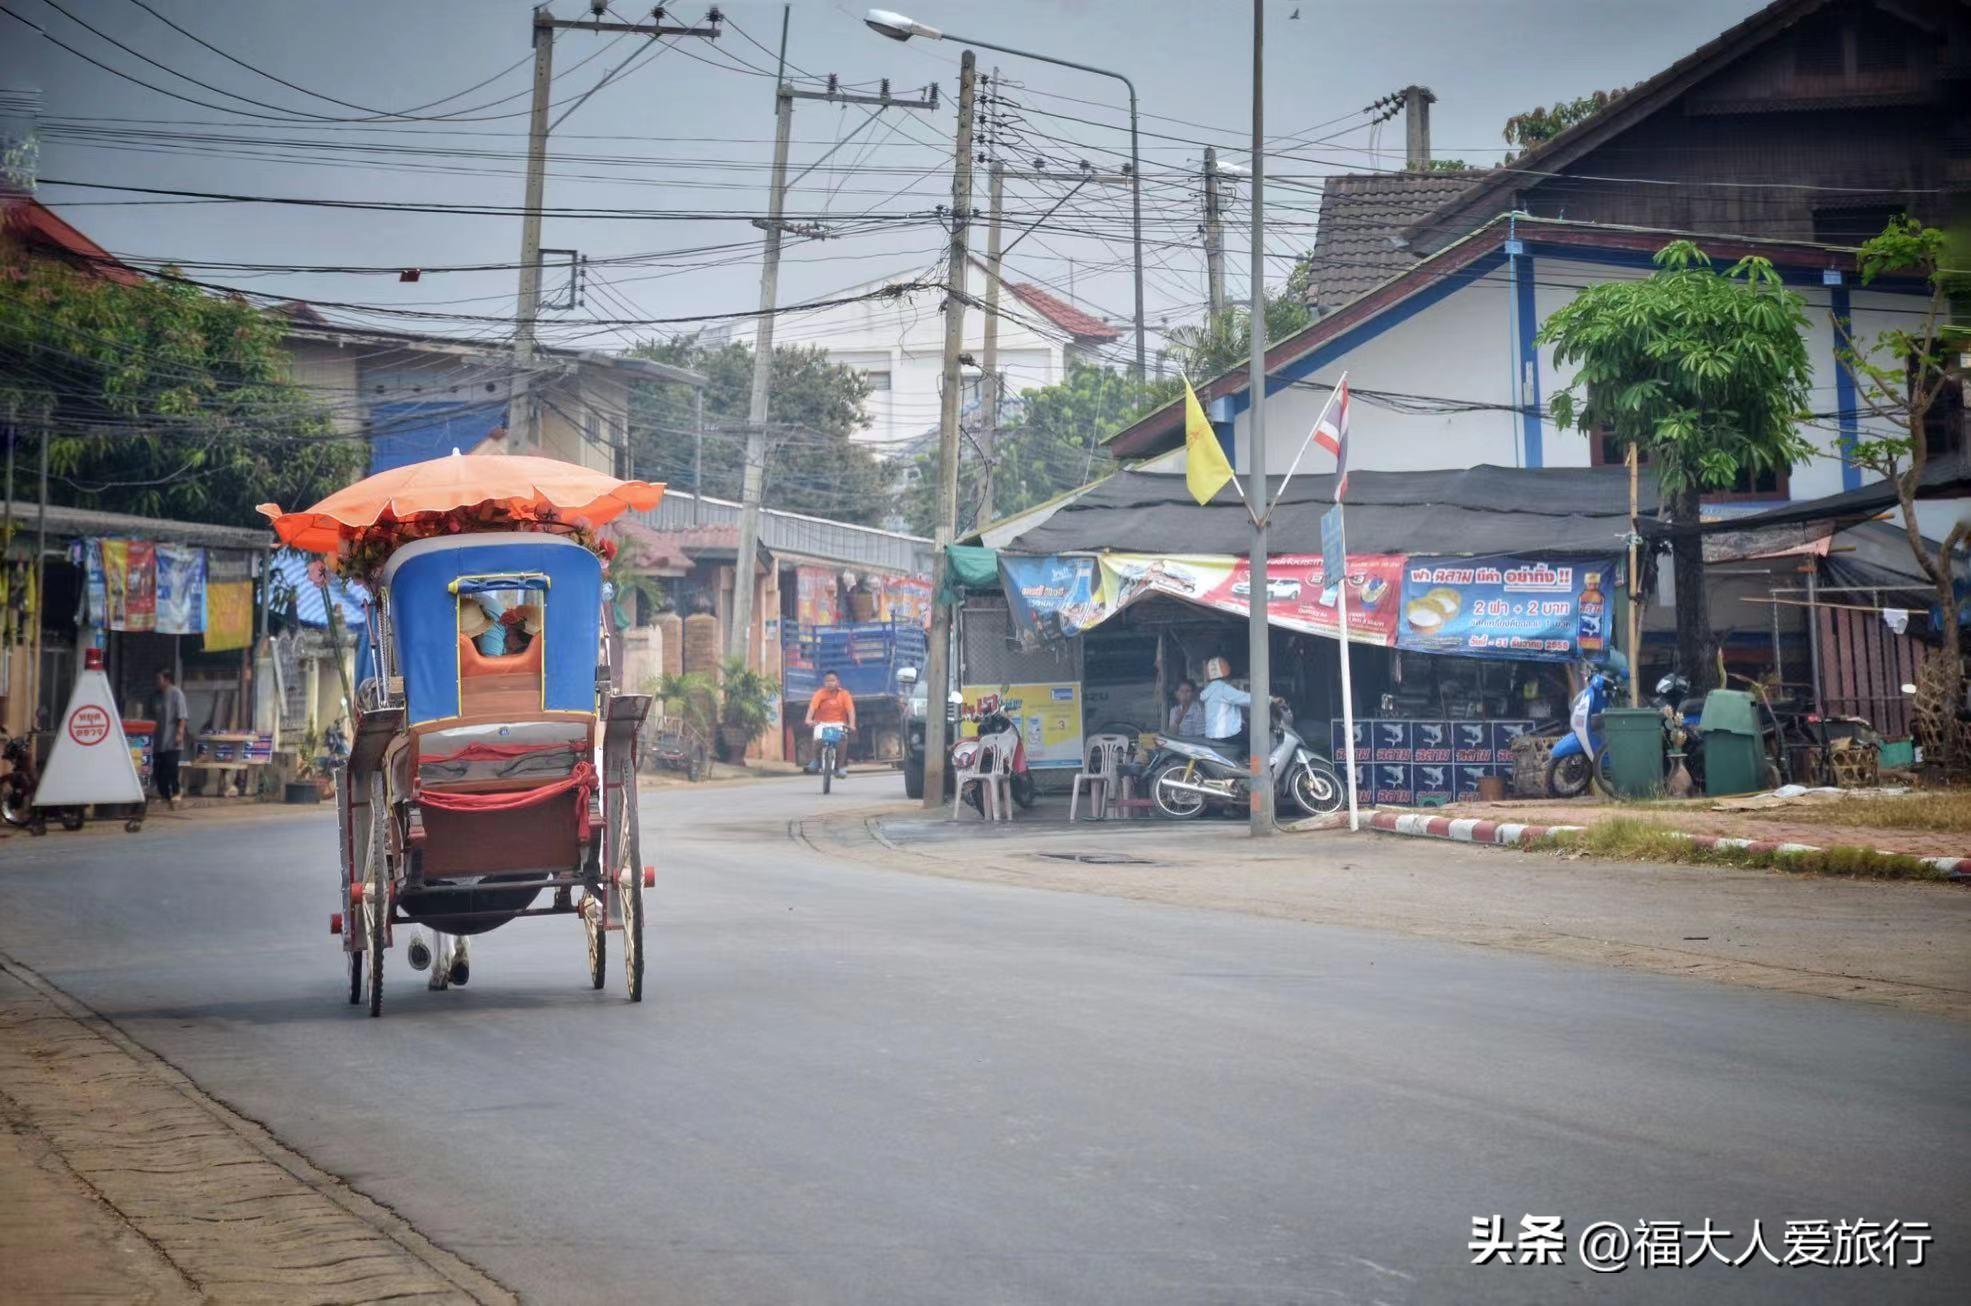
<point x="1581" y="756"/>
<point x="993" y="723"/>
<point x="17" y="785"/>
<point x="1683" y="742"/>
<point x="1188" y="775"/>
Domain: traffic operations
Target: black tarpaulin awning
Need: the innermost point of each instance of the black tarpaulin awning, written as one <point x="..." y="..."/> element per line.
<point x="1476" y="510"/>
<point x="1943" y="478"/>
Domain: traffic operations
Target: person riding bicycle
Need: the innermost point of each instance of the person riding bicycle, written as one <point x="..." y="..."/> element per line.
<point x="831" y="706"/>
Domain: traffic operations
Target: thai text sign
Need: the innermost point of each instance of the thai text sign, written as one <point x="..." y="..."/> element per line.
<point x="1505" y="607"/>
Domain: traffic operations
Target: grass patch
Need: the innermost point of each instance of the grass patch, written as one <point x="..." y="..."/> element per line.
<point x="1628" y="839"/>
<point x="1946" y="811"/>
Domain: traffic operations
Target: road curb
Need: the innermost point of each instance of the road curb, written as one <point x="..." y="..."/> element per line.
<point x="1514" y="834"/>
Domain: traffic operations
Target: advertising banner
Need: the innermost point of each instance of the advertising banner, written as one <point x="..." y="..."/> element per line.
<point x="1432" y="762"/>
<point x="1052" y="597"/>
<point x="1505" y="607"/>
<point x="180" y="589"/>
<point x="907" y="598"/>
<point x="228" y="615"/>
<point x="1048" y="716"/>
<point x="1299" y="593"/>
<point x="129" y="585"/>
<point x="815" y="601"/>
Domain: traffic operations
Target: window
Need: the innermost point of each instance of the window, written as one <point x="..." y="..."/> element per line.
<point x="1604" y="450"/>
<point x="878" y="380"/>
<point x="1944" y="431"/>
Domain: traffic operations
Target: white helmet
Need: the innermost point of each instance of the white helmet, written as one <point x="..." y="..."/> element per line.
<point x="1217" y="669"/>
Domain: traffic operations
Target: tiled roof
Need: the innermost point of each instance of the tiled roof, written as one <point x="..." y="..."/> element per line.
<point x="1362" y="216"/>
<point x="1080" y="325"/>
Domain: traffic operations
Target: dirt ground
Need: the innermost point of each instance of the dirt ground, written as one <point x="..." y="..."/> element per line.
<point x="1793" y="823"/>
<point x="120" y="1181"/>
<point x="1902" y="944"/>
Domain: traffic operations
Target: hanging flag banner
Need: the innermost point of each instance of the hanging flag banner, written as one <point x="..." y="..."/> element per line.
<point x="815" y="598"/>
<point x="228" y="601"/>
<point x="129" y="585"/>
<point x="1505" y="607"/>
<point x="180" y="589"/>
<point x="907" y="599"/>
<point x="1300" y="595"/>
<point x="88" y="554"/>
<point x="1052" y="597"/>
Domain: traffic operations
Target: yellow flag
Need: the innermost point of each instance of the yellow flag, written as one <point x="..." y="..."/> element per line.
<point x="1205" y="468"/>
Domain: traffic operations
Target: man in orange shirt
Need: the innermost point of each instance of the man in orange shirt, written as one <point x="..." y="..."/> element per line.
<point x="832" y="706"/>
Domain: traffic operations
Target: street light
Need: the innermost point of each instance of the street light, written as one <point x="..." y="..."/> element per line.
<point x="900" y="28"/>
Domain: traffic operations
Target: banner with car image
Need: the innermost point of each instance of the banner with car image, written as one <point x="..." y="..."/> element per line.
<point x="1299" y="593"/>
<point x="1507" y="607"/>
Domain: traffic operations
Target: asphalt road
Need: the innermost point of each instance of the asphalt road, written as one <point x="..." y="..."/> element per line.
<point x="858" y="1086"/>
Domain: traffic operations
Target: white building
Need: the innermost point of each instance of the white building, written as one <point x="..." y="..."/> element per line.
<point x="898" y="344"/>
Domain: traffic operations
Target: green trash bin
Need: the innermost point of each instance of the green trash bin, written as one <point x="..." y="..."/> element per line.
<point x="1634" y="739"/>
<point x="1734" y="753"/>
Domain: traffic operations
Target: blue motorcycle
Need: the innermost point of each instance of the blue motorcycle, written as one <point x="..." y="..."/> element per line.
<point x="1580" y="759"/>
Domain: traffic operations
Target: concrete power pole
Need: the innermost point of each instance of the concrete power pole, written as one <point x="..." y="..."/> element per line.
<point x="753" y="486"/>
<point x="938" y="673"/>
<point x="527" y="311"/>
<point x="1214" y="234"/>
<point x="1259" y="647"/>
<point x="989" y="386"/>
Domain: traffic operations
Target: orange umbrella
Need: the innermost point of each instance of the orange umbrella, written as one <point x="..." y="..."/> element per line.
<point x="461" y="481"/>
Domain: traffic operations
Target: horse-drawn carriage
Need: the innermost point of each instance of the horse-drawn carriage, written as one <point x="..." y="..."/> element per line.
<point x="492" y="767"/>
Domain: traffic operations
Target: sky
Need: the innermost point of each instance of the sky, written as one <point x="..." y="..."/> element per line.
<point x="668" y="162"/>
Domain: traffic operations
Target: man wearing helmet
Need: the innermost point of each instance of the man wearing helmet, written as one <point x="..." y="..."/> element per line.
<point x="1224" y="706"/>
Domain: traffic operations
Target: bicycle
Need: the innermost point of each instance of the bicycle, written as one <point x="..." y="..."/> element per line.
<point x="828" y="739"/>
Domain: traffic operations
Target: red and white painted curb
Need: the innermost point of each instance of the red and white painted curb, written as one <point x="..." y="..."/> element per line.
<point x="1473" y="830"/>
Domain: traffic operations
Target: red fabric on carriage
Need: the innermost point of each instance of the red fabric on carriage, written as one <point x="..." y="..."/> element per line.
<point x="499" y="752"/>
<point x="582" y="780"/>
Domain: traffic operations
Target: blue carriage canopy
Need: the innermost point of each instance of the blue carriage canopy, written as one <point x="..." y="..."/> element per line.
<point x="426" y="580"/>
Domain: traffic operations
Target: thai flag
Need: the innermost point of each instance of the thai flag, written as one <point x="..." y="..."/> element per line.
<point x="1332" y="434"/>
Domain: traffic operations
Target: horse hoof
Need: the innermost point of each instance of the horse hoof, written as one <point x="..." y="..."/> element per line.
<point x="461" y="971"/>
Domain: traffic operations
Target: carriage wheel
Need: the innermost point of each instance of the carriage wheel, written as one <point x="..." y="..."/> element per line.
<point x="625" y="867"/>
<point x="598" y="941"/>
<point x="376" y="903"/>
<point x="355" y="978"/>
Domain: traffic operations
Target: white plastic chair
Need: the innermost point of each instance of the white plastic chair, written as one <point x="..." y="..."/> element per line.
<point x="992" y="768"/>
<point x="1100" y="771"/>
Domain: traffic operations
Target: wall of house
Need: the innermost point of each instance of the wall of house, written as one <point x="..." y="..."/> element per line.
<point x="905" y="337"/>
<point x="333" y="372"/>
<point x="1461" y="344"/>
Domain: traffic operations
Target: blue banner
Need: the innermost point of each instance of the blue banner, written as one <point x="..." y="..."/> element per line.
<point x="180" y="589"/>
<point x="1051" y="597"/>
<point x="1507" y="607"/>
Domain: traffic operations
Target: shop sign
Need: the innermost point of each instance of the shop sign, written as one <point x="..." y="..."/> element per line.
<point x="1506" y="607"/>
<point x="1425" y="763"/>
<point x="1052" y="597"/>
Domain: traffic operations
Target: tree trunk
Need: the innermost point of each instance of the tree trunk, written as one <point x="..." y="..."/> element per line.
<point x="1693" y="612"/>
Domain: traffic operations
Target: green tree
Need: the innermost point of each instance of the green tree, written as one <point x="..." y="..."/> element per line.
<point x="161" y="400"/>
<point x="1539" y="125"/>
<point x="1223" y="341"/>
<point x="1706" y="374"/>
<point x="812" y="465"/>
<point x="1902" y="375"/>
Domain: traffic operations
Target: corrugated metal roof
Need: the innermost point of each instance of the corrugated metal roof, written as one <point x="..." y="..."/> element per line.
<point x="291" y="569"/>
<point x="69" y="523"/>
<point x="797" y="533"/>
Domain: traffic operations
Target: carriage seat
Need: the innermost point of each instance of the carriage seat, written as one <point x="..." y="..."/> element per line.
<point x="500" y="684"/>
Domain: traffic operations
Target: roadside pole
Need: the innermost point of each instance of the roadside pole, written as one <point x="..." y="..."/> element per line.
<point x="697" y="455"/>
<point x="989" y="355"/>
<point x="937" y="689"/>
<point x="1214" y="235"/>
<point x="1635" y="592"/>
<point x="738" y="634"/>
<point x="1259" y="647"/>
<point x="1335" y="569"/>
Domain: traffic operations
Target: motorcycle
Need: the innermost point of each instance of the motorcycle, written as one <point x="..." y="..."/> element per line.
<point x="1683" y="743"/>
<point x="992" y="720"/>
<point x="1581" y="756"/>
<point x="17" y="785"/>
<point x="1187" y="775"/>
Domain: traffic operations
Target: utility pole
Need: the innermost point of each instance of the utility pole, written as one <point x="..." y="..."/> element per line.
<point x="938" y="673"/>
<point x="989" y="361"/>
<point x="697" y="455"/>
<point x="528" y="311"/>
<point x="753" y="486"/>
<point x="738" y="635"/>
<point x="1259" y="652"/>
<point x="1214" y="234"/>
